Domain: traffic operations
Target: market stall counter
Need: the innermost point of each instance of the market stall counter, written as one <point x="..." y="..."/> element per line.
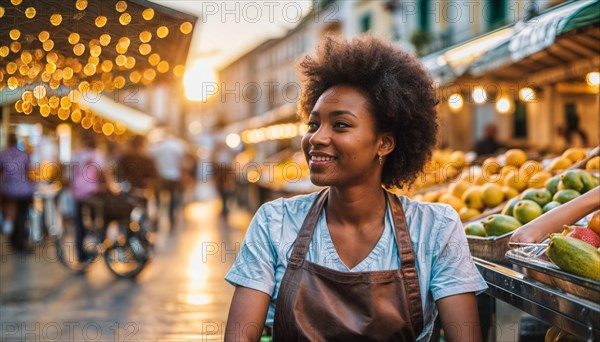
<point x="574" y="314"/>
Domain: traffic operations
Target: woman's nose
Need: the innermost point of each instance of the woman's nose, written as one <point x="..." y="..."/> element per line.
<point x="320" y="137"/>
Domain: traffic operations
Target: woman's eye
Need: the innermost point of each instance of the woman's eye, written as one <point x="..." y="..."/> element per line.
<point x="341" y="125"/>
<point x="312" y="125"/>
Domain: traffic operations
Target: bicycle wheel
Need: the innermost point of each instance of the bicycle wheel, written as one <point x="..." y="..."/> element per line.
<point x="128" y="254"/>
<point x="66" y="247"/>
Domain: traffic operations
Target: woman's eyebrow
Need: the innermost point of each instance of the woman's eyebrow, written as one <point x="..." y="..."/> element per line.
<point x="334" y="113"/>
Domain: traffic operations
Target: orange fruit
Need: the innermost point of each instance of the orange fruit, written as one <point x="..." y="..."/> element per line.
<point x="594" y="223"/>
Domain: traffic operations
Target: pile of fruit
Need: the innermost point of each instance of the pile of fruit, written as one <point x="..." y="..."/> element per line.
<point x="577" y="249"/>
<point x="533" y="202"/>
<point x="472" y="192"/>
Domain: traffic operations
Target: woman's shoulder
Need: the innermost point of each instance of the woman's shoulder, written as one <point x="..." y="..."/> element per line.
<point x="437" y="211"/>
<point x="290" y="205"/>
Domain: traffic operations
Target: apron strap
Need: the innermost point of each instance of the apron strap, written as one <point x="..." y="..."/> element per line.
<point x="308" y="227"/>
<point x="407" y="262"/>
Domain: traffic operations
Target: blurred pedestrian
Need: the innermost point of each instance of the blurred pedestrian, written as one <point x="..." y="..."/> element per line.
<point x="222" y="163"/>
<point x="355" y="262"/>
<point x="168" y="154"/>
<point x="573" y="128"/>
<point x="17" y="191"/>
<point x="489" y="143"/>
<point x="88" y="181"/>
<point x="136" y="167"/>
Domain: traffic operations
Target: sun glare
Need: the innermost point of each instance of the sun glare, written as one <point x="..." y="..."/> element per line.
<point x="199" y="81"/>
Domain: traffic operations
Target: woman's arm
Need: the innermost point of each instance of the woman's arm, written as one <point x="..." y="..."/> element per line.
<point x="553" y="221"/>
<point x="459" y="317"/>
<point x="247" y="315"/>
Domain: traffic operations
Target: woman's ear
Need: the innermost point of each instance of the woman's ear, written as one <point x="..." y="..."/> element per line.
<point x="387" y="145"/>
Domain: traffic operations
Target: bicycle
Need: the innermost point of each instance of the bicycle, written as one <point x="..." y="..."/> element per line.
<point x="119" y="229"/>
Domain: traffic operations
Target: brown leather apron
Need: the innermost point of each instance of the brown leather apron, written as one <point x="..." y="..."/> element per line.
<point x="316" y="303"/>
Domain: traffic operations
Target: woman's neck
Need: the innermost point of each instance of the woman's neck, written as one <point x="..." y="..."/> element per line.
<point x="356" y="206"/>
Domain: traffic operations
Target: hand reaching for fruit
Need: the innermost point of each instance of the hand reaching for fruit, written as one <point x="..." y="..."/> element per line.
<point x="568" y="213"/>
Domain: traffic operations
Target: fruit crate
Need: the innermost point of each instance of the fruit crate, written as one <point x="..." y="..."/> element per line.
<point x="535" y="264"/>
<point x="491" y="248"/>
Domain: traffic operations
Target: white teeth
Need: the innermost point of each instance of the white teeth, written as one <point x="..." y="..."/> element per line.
<point x="316" y="158"/>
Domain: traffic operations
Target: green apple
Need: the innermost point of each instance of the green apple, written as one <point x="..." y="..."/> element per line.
<point x="564" y="196"/>
<point x="475" y="228"/>
<point x="539" y="196"/>
<point x="526" y="210"/>
<point x="549" y="206"/>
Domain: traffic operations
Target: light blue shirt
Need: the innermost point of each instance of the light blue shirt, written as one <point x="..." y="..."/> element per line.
<point x="443" y="260"/>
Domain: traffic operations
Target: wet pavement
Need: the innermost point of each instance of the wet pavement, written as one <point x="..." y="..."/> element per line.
<point x="179" y="296"/>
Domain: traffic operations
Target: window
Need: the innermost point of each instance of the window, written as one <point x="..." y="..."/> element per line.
<point x="496" y="12"/>
<point x="424" y="15"/>
<point x="365" y="22"/>
<point x="520" y="120"/>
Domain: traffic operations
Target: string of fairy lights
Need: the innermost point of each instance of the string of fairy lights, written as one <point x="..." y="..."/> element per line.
<point x="103" y="63"/>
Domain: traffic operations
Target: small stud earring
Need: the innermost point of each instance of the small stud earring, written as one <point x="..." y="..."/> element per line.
<point x="380" y="159"/>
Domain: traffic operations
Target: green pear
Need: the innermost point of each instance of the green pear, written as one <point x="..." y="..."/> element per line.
<point x="499" y="224"/>
<point x="552" y="184"/>
<point x="572" y="180"/>
<point x="565" y="196"/>
<point x="526" y="210"/>
<point x="549" y="206"/>
<point x="588" y="181"/>
<point x="539" y="196"/>
<point x="508" y="208"/>
<point x="475" y="228"/>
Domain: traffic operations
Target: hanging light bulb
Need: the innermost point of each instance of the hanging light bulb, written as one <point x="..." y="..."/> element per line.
<point x="4" y="51"/>
<point x="119" y="82"/>
<point x="120" y="60"/>
<point x="100" y="21"/>
<point x="95" y="51"/>
<point x="186" y="27"/>
<point x="15" y="47"/>
<point x="145" y="49"/>
<point x="78" y="49"/>
<point x="121" y="6"/>
<point x="52" y="57"/>
<point x="16" y="2"/>
<point x="50" y="68"/>
<point x="107" y="65"/>
<point x="73" y="38"/>
<point x="163" y="67"/>
<point x="12" y="83"/>
<point x="178" y="70"/>
<point x="30" y="12"/>
<point x="2" y="11"/>
<point x="89" y="69"/>
<point x="26" y="57"/>
<point x="130" y="62"/>
<point x="76" y="116"/>
<point x="145" y="36"/>
<point x="67" y="73"/>
<point x="43" y="36"/>
<point x="125" y="19"/>
<point x="135" y="76"/>
<point x="154" y="59"/>
<point x="108" y="128"/>
<point x="56" y="19"/>
<point x="48" y="45"/>
<point x="14" y="34"/>
<point x="148" y="14"/>
<point x="104" y="39"/>
<point x="81" y="4"/>
<point x="45" y="111"/>
<point x="162" y="31"/>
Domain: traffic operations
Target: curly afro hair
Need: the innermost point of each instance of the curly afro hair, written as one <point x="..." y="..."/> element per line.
<point x="399" y="91"/>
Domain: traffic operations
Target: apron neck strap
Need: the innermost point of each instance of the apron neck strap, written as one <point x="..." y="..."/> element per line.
<point x="307" y="229"/>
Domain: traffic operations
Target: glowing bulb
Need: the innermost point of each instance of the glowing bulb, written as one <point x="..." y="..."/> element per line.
<point x="73" y="38"/>
<point x="479" y="95"/>
<point x="14" y="34"/>
<point x="50" y="68"/>
<point x="15" y="47"/>
<point x="95" y="51"/>
<point x="119" y="82"/>
<point x="107" y="65"/>
<point x="30" y="12"/>
<point x="178" y="70"/>
<point x="2" y="11"/>
<point x="100" y="21"/>
<point x="154" y="59"/>
<point x="145" y="36"/>
<point x="233" y="140"/>
<point x="89" y="69"/>
<point x="67" y="73"/>
<point x="4" y="51"/>
<point x="104" y="39"/>
<point x="44" y="111"/>
<point x="56" y="19"/>
<point x="130" y="62"/>
<point x="162" y="31"/>
<point x="186" y="27"/>
<point x="148" y="14"/>
<point x="527" y="94"/>
<point x="11" y="68"/>
<point x="503" y="105"/>
<point x="26" y="57"/>
<point x="455" y="101"/>
<point x="145" y="49"/>
<point x="120" y="60"/>
<point x="16" y="2"/>
<point x="43" y="36"/>
<point x="79" y="49"/>
<point x="593" y="78"/>
<point x="125" y="19"/>
<point x="76" y="116"/>
<point x="121" y="6"/>
<point x="200" y="72"/>
<point x="52" y="57"/>
<point x="108" y="128"/>
<point x="48" y="45"/>
<point x="81" y="4"/>
<point x="163" y="67"/>
<point x="135" y="76"/>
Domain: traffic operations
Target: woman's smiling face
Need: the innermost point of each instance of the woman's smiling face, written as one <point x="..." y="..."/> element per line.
<point x="341" y="144"/>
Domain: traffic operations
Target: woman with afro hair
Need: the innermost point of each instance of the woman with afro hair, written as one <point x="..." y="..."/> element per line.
<point x="354" y="262"/>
